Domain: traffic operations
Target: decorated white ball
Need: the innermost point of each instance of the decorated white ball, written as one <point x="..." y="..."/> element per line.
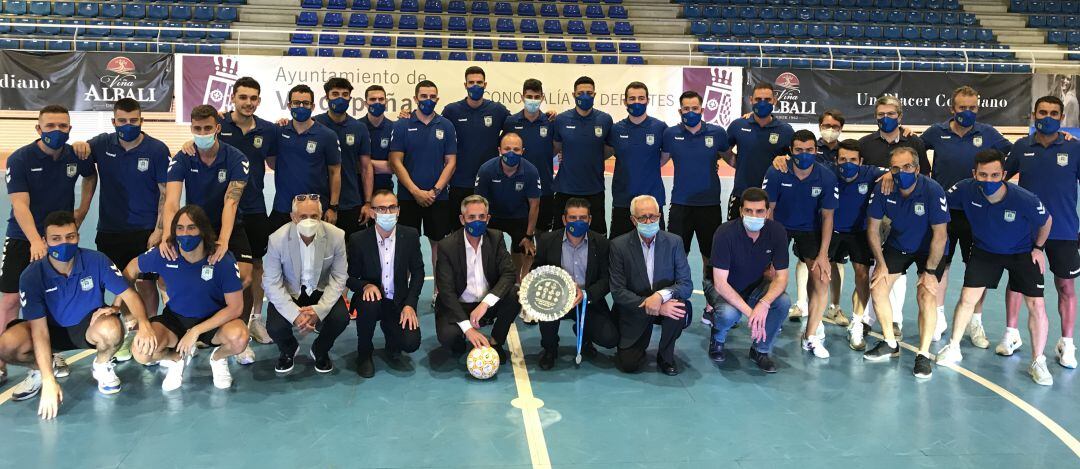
<point x="483" y="362"/>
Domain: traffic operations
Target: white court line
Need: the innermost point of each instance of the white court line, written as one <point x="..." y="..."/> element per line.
<point x="529" y="404"/>
<point x="6" y="395"/>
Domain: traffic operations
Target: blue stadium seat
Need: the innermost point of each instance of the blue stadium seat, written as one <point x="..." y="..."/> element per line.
<point x="311" y="4"/>
<point x="534" y="58"/>
<point x="461" y="56"/>
<point x="380" y="41"/>
<point x="96" y="28"/>
<point x="157" y="12"/>
<point x="508" y="57"/>
<point x="433" y="6"/>
<point x="947" y="34"/>
<point x="629" y="47"/>
<point x="406" y="55"/>
<point x="54" y="30"/>
<point x="329" y="39"/>
<point x="92" y="46"/>
<point x="408" y="42"/>
<point x="623" y="28"/>
<point x="580" y="46"/>
<point x="532" y="44"/>
<point x="359" y="20"/>
<point x="457" y="43"/>
<point x="1056" y="37"/>
<point x="457" y="23"/>
<point x="65" y="44"/>
<point x="433" y="23"/>
<point x="575" y="27"/>
<point x="984" y="35"/>
<point x="950" y="18"/>
<point x="504" y="25"/>
<point x="606" y="46"/>
<point x="431" y="55"/>
<point x="929" y="33"/>
<point x="482" y="44"/>
<point x="222" y="35"/>
<point x="481" y="24"/>
<point x="599" y="28"/>
<point x="456" y="7"/>
<point x="39" y="8"/>
<point x="15" y="7"/>
<point x="699" y="28"/>
<point x="324" y="52"/>
<point x="932" y="17"/>
<point x="179" y="13"/>
<point x="584" y="59"/>
<point x="571" y="11"/>
<point x="352" y="53"/>
<point x="120" y="29"/>
<point x="408" y="22"/>
<point x="410" y="6"/>
<point x="635" y="60"/>
<point x="295" y="38"/>
<point x="483" y="57"/>
<point x="227" y="14"/>
<point x="553" y="27"/>
<point x="333" y="20"/>
<point x="383" y="21"/>
<point x="617" y="12"/>
<point x="594" y="11"/>
<point x="692" y="12"/>
<point x="355" y="40"/>
<point x="479" y="8"/>
<point x="361" y="5"/>
<point x="556" y="45"/>
<point x="67" y="8"/>
<point x="911" y="33"/>
<point x="529" y="26"/>
<point x="503" y="9"/>
<point x="384" y="5"/>
<point x="842" y="16"/>
<point x="378" y="54"/>
<point x="175" y="33"/>
<point x="307" y="18"/>
<point x="609" y="59"/>
<point x="84" y="9"/>
<point x="335" y="4"/>
<point x="549" y="10"/>
<point x="559" y="59"/>
<point x="526" y="9"/>
<point x="834" y="31"/>
<point x="151" y="33"/>
<point x="179" y="48"/>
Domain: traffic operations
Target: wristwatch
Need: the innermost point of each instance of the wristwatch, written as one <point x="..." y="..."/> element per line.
<point x="332" y="207"/>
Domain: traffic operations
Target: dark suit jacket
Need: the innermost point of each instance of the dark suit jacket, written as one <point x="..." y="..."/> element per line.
<point x="630" y="280"/>
<point x="451" y="273"/>
<point x="365" y="267"/>
<point x="549" y="252"/>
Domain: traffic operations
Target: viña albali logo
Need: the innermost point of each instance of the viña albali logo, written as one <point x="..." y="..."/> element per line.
<point x="788" y="98"/>
<point x="121" y="81"/>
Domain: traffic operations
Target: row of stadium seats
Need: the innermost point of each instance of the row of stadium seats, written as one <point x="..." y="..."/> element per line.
<point x="1062" y="37"/>
<point x="108" y="46"/>
<point x="547" y="7"/>
<point x="842" y="15"/>
<point x="127" y="10"/>
<point x="870" y="63"/>
<point x="409" y="42"/>
<point x="881" y="4"/>
<point x="476" y="56"/>
<point x="885" y="49"/>
<point x="761" y="29"/>
<point x="119" y="29"/>
<point x="1037" y="6"/>
<point x="459" y="23"/>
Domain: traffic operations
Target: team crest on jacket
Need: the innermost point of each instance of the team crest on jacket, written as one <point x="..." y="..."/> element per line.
<point x="518" y="186"/>
<point x="774" y="138"/>
<point x="543" y="132"/>
<point x="257" y="142"/>
<point x="709" y="142"/>
<point x="920" y="209"/>
<point x="598" y="131"/>
<point x="1063" y="160"/>
<point x="143" y="165"/>
<point x="86" y="284"/>
<point x="1010" y="216"/>
<point x="977" y="141"/>
<point x="815" y="191"/>
<point x="350" y="139"/>
<point x="72" y="170"/>
<point x="650" y="139"/>
<point x="311" y="146"/>
<point x="385" y="142"/>
<point x="439" y="134"/>
<point x="221" y="174"/>
<point x="864" y="188"/>
<point x="487" y="121"/>
<point x="207" y="272"/>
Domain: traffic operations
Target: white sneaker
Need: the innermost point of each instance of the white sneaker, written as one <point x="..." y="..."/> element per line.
<point x="257" y="329"/>
<point x="1009" y="343"/>
<point x="174" y="375"/>
<point x="1066" y="354"/>
<point x="3" y="375"/>
<point x="949" y="355"/>
<point x="836" y="315"/>
<point x="857" y="336"/>
<point x="220" y="368"/>
<point x="60" y="366"/>
<point x="246" y="357"/>
<point x="706" y="318"/>
<point x="105" y="374"/>
<point x="28" y="388"/>
<point x="978" y="334"/>
<point x="123" y="353"/>
<point x="941" y="326"/>
<point x="815" y="345"/>
<point x="1039" y="373"/>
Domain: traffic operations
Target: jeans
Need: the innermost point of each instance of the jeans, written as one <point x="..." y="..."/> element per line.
<point x="725" y="316"/>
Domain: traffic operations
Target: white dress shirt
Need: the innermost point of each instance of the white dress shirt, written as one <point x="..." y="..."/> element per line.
<point x="476" y="284"/>
<point x="308" y="276"/>
<point x="648" y="251"/>
<point x="387" y="246"/>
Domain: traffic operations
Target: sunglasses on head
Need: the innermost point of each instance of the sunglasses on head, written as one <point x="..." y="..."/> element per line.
<point x="303" y="197"/>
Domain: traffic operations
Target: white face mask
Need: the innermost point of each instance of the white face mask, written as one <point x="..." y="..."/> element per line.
<point x="307" y="227"/>
<point x="830" y="135"/>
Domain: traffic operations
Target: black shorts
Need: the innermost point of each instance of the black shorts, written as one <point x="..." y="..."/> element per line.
<point x="545" y="218"/>
<point x="807" y="244"/>
<point x="984" y="270"/>
<point x="123" y="246"/>
<point x="898" y="262"/>
<point x="458" y="194"/>
<point x="1063" y="256"/>
<point x="180" y="325"/>
<point x="515" y="227"/>
<point x="435" y="219"/>
<point x="689" y="220"/>
<point x="257" y="227"/>
<point x="348" y="219"/>
<point x="852" y="245"/>
<point x="16" y="258"/>
<point x="598" y="210"/>
<point x="239" y="245"/>
<point x="959" y="234"/>
<point x="278" y="220"/>
<point x="734" y="206"/>
<point x="62" y="339"/>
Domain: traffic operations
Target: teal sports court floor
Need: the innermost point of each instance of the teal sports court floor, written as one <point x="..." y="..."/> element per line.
<point x="839" y="412"/>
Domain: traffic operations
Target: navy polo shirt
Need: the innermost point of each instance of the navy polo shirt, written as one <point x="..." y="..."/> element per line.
<point x="354" y="141"/>
<point x="380" y="148"/>
<point x="798" y="201"/>
<point x="302" y="165"/>
<point x="478" y="131"/>
<point x="825" y="155"/>
<point x="129" y="182"/>
<point x="509" y="195"/>
<point x="206" y="186"/>
<point x="425" y="147"/>
<point x="756" y="148"/>
<point x="260" y="143"/>
<point x="954" y="156"/>
<point x="49" y="182"/>
<point x="67" y="300"/>
<point x="194" y="290"/>
<point x="850" y="214"/>
<point x="637" y="160"/>
<point x="1006" y="227"/>
<point x="1051" y="173"/>
<point x="537" y="138"/>
<point x="581" y="171"/>
<point x="912" y="216"/>
<point x="696" y="157"/>
<point x="745" y="259"/>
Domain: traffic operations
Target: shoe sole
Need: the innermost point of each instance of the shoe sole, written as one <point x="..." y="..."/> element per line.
<point x="291" y="367"/>
<point x="918" y="376"/>
<point x="311" y="353"/>
<point x="881" y="358"/>
<point x="25" y="397"/>
<point x="108" y="391"/>
<point x="1011" y="352"/>
<point x="62" y="374"/>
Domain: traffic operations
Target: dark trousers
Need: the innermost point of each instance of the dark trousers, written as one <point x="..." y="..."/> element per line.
<point x="631" y="359"/>
<point x="621" y="223"/>
<point x="598" y="210"/>
<point x="281" y="330"/>
<point x="600" y="327"/>
<point x="389" y="318"/>
<point x="502" y="315"/>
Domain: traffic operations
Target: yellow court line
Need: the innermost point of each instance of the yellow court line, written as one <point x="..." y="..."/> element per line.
<point x="529" y="404"/>
<point x="6" y="395"/>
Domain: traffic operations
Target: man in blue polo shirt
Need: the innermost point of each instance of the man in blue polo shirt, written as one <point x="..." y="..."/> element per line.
<point x="750" y="272"/>
<point x="1049" y="166"/>
<point x="478" y="123"/>
<point x="803" y="200"/>
<point x="637" y="142"/>
<point x="512" y="185"/>
<point x="379" y="127"/>
<point x="919" y="212"/>
<point x="755" y="141"/>
<point x="1010" y="226"/>
<point x="355" y="143"/>
<point x="63" y="307"/>
<point x="955" y="143"/>
<point x="830" y="125"/>
<point x="423" y="154"/>
<point x="40" y="180"/>
<point x="536" y="131"/>
<point x="580" y="136"/>
<point x="308" y="161"/>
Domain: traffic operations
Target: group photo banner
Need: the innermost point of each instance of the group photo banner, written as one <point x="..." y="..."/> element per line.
<point x="802" y="95"/>
<point x="204" y="79"/>
<point x="84" y="81"/>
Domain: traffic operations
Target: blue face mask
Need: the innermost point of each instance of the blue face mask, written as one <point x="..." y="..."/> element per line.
<point x="577" y="228"/>
<point x="339" y="105"/>
<point x="476" y="92"/>
<point x="1046" y="126"/>
<point x="804" y="160"/>
<point x="511" y="159"/>
<point x="763" y="109"/>
<point x="648" y="230"/>
<point x="386" y="221"/>
<point x="636" y="109"/>
<point x="188" y="243"/>
<point x="54" y="139"/>
<point x="990" y="187"/>
<point x="426" y="106"/>
<point x="888" y="124"/>
<point x="691" y="119"/>
<point x="532" y="106"/>
<point x="476" y="228"/>
<point x="63" y="252"/>
<point x="203" y="142"/>
<point x="753" y="224"/>
<point x="300" y="114"/>
<point x="849" y="169"/>
<point x="905" y="180"/>
<point x="128" y="132"/>
<point x="376" y="109"/>
<point x="965" y="118"/>
<point x="584" y="101"/>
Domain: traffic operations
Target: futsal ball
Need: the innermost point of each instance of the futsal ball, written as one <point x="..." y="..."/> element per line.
<point x="483" y="362"/>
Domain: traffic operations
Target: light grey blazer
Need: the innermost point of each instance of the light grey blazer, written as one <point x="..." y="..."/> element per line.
<point x="282" y="270"/>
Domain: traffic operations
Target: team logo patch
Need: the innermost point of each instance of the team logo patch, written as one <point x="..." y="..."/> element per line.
<point x="543" y="132"/>
<point x="350" y="139"/>
<point x="518" y="186"/>
<point x="221" y="175"/>
<point x="650" y="139"/>
<point x="774" y="138"/>
<point x="1010" y="216"/>
<point x="439" y="134"/>
<point x="86" y="284"/>
<point x="977" y="141"/>
<point x="384" y="143"/>
<point x="920" y="209"/>
<point x="598" y="131"/>
<point x="864" y="188"/>
<point x="207" y="272"/>
<point x="72" y="170"/>
<point x="815" y="191"/>
<point x="709" y="142"/>
<point x="487" y="121"/>
<point x="143" y="165"/>
<point x="1062" y="160"/>
<point x="311" y="146"/>
<point x="257" y="142"/>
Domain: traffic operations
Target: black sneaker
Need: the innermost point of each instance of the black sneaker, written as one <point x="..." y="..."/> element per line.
<point x="365" y="367"/>
<point x="716" y="352"/>
<point x="588" y="350"/>
<point x="504" y="356"/>
<point x="547" y="359"/>
<point x="882" y="352"/>
<point x="285" y="362"/>
<point x="763" y="361"/>
<point x="923" y="366"/>
<point x="323" y="364"/>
